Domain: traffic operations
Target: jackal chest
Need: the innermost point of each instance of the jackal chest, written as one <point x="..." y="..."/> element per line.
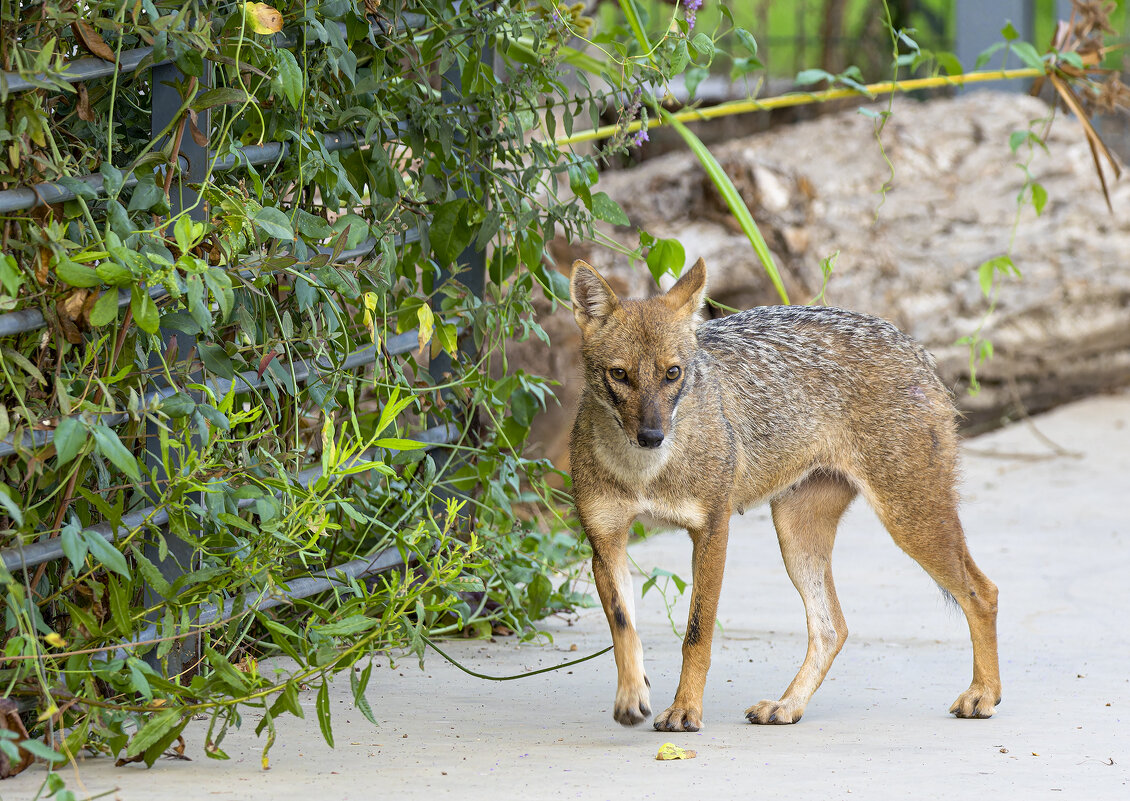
<point x="688" y="513"/>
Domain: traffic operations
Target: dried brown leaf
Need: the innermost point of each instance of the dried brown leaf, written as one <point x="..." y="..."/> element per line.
<point x="43" y="265"/>
<point x="92" y="40"/>
<point x="10" y="721"/>
<point x="68" y="312"/>
<point x="198" y="136"/>
<point x="1093" y="139"/>
<point x="91" y="298"/>
<point x="85" y="112"/>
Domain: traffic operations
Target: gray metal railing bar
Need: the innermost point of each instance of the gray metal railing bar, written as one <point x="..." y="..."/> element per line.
<point x="90" y="68"/>
<point x="19" y="322"/>
<point x="37" y="553"/>
<point x="81" y="69"/>
<point x="48" y="192"/>
<point x="322" y="580"/>
<point x="247" y="381"/>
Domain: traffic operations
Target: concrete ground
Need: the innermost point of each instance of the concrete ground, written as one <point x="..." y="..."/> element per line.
<point x="1047" y="527"/>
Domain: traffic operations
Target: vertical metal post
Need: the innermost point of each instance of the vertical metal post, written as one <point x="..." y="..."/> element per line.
<point x="978" y="25"/>
<point x="193" y="161"/>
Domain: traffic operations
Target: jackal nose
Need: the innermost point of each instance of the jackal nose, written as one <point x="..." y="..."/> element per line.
<point x="649" y="437"/>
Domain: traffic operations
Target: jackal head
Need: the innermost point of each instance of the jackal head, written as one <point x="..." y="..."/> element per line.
<point x="638" y="354"/>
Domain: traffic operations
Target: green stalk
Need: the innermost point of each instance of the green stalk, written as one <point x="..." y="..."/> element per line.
<point x="733" y="199"/>
<point x="633" y="18"/>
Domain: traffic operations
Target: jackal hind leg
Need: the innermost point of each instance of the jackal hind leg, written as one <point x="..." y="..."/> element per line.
<point x="806" y="518"/>
<point x="617" y="596"/>
<point x="707" y="564"/>
<point x="923" y="521"/>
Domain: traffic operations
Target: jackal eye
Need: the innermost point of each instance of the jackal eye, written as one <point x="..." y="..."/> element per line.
<point x="618" y="373"/>
<point x="673" y="373"/>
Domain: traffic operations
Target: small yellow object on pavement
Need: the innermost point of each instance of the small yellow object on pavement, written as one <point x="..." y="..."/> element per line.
<point x="672" y="751"/>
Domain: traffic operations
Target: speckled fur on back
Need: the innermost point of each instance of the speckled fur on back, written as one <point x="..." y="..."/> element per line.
<point x="687" y="421"/>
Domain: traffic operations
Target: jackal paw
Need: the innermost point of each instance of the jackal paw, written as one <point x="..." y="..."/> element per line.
<point x="633" y="705"/>
<point x="777" y="712"/>
<point x="678" y="718"/>
<point x="976" y="702"/>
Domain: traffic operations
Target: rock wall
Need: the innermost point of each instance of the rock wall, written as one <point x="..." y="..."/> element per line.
<point x="1059" y="332"/>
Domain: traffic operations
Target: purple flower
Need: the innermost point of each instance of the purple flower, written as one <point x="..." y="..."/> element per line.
<point x="690" y="10"/>
<point x="639" y="138"/>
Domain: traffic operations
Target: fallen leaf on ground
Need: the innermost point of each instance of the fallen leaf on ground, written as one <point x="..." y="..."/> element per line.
<point x="672" y="751"/>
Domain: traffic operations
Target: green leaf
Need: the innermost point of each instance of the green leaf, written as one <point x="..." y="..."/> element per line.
<point x="358" y="684"/>
<point x="225" y="95"/>
<point x="11" y="507"/>
<point x="704" y="46"/>
<point x="106" y="553"/>
<point x="216" y="359"/>
<point x="145" y="196"/>
<point x="1027" y="53"/>
<point x="177" y="406"/>
<point x="448" y="233"/>
<point x="733" y="199"/>
<point x="119" y="607"/>
<point x="354" y="624"/>
<point x="524" y="405"/>
<point x="666" y="256"/>
<point x="76" y="274"/>
<point x="323" y="707"/>
<point x="313" y="226"/>
<point x="747" y="40"/>
<point x="1009" y="32"/>
<point x="814" y="76"/>
<point x="693" y="77"/>
<point x="607" y="209"/>
<point x="144" y="309"/>
<point x="152" y="575"/>
<point x="273" y="223"/>
<point x="79" y="188"/>
<point x="10" y="275"/>
<point x="111" y="178"/>
<point x="289" y="76"/>
<point x="281" y="636"/>
<point x="113" y="273"/>
<point x="226" y="672"/>
<point x="112" y="448"/>
<point x="42" y="751"/>
<point x="1039" y="198"/>
<point x="987" y="271"/>
<point x="948" y="62"/>
<point x="154" y="730"/>
<point x="69" y="437"/>
<point x="537" y="595"/>
<point x="397" y="444"/>
<point x="105" y="309"/>
<point x="74" y="547"/>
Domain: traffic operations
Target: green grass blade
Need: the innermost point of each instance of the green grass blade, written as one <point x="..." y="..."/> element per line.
<point x="734" y="200"/>
<point x="631" y="14"/>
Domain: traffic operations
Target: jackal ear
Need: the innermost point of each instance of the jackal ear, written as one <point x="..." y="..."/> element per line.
<point x="689" y="292"/>
<point x="593" y="298"/>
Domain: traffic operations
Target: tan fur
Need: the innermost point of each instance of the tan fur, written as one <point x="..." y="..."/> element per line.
<point x="687" y="422"/>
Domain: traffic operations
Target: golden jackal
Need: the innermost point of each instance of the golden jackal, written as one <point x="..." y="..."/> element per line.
<point x="687" y="421"/>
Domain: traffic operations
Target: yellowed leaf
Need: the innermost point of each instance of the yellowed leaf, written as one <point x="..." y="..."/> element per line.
<point x="55" y="641"/>
<point x="262" y="18"/>
<point x="672" y="751"/>
<point x="427" y="326"/>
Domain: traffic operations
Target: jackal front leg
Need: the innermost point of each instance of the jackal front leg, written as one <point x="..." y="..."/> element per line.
<point x="709" y="559"/>
<point x="617" y="595"/>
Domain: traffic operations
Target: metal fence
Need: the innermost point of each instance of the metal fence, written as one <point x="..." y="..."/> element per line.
<point x="166" y="105"/>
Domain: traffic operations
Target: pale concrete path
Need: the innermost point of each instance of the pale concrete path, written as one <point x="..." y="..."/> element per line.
<point x="1050" y="530"/>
